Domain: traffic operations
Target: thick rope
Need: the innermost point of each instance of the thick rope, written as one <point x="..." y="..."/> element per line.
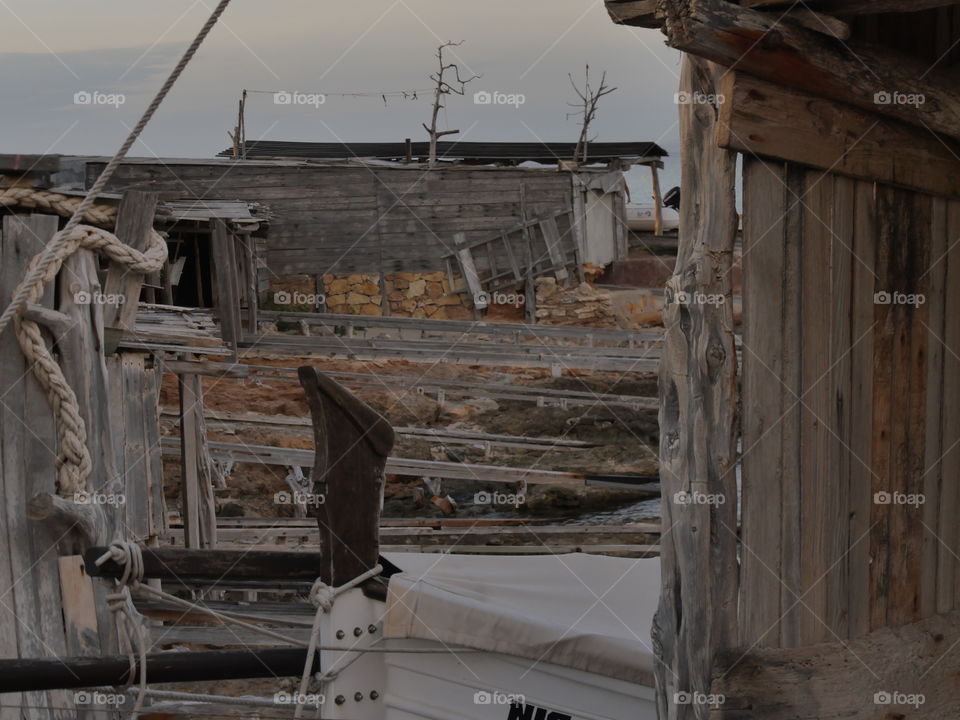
<point x="35" y="198"/>
<point x="53" y="248"/>
<point x="73" y="461"/>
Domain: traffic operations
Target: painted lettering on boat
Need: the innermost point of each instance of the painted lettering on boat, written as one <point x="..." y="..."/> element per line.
<point x="521" y="711"/>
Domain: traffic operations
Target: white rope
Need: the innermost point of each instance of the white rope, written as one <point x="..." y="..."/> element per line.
<point x="129" y="557"/>
<point x="322" y="597"/>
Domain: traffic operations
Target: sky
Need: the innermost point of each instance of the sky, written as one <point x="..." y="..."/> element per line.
<point x="118" y="53"/>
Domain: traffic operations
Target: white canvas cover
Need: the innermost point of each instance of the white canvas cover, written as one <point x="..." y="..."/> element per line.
<point x="589" y="612"/>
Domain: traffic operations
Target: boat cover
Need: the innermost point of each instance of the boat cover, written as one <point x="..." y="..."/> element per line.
<point x="589" y="612"/>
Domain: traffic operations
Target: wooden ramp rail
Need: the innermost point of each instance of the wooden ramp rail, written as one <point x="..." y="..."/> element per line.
<point x="504" y="332"/>
<point x="410" y="467"/>
<point x="555" y="357"/>
<point x="543" y="397"/>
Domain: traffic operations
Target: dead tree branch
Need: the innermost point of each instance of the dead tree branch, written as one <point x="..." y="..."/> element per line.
<point x="443" y="87"/>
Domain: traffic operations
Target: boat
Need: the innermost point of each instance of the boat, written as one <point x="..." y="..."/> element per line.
<point x="479" y="637"/>
<point x="642" y="217"/>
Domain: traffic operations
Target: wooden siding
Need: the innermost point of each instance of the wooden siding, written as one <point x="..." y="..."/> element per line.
<point x="343" y="220"/>
<point x="848" y="401"/>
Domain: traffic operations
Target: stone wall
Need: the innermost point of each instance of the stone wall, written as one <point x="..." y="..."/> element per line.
<point x="580" y="305"/>
<point x="426" y="295"/>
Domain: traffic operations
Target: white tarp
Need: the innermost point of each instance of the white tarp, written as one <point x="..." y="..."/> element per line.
<point x="589" y="612"/>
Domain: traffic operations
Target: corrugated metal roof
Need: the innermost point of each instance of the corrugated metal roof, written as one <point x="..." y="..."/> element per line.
<point x="471" y="152"/>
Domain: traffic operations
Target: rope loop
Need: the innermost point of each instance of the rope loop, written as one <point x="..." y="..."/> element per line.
<point x="322" y="596"/>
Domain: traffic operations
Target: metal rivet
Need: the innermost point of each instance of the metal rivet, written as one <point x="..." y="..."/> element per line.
<point x="371" y="629"/>
<point x="340" y="634"/>
<point x="358" y="696"/>
<point x="374" y="694"/>
<point x="357" y="632"/>
<point x="340" y="700"/>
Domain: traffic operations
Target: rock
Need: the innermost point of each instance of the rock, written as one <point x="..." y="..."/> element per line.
<point x="369" y="309"/>
<point x="417" y="288"/>
<point x="449" y="300"/>
<point x="434" y="290"/>
<point x="355" y="298"/>
<point x="337" y="286"/>
<point x="336" y="299"/>
<point x="368" y="288"/>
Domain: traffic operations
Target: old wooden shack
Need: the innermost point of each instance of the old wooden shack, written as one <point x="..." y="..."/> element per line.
<point x="839" y="593"/>
<point x="340" y="210"/>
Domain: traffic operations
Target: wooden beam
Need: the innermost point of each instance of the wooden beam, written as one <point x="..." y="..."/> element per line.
<point x="852" y="679"/>
<point x="640" y="13"/>
<point x="794" y="56"/>
<point x="657" y="202"/>
<point x="134" y="223"/>
<point x="226" y="270"/>
<point x="766" y="120"/>
<point x="178" y="563"/>
<point x="697" y="615"/>
<point x="31" y="674"/>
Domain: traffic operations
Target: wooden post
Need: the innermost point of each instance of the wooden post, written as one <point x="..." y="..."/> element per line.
<point x="31" y="621"/>
<point x="699" y="572"/>
<point x="134" y="223"/>
<point x="196" y="490"/>
<point x="225" y="269"/>
<point x="657" y="201"/>
<point x="352" y="444"/>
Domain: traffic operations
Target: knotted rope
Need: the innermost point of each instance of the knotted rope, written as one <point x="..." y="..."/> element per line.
<point x="130" y="558"/>
<point x="73" y="461"/>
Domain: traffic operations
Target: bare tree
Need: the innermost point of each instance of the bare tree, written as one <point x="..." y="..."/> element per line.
<point x="589" y="99"/>
<point x="444" y="88"/>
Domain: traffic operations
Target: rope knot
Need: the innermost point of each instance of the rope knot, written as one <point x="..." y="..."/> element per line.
<point x="127" y="555"/>
<point x="322" y="596"/>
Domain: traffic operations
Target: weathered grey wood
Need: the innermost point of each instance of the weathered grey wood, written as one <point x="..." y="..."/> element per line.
<point x="862" y="333"/>
<point x="134" y="223"/>
<point x="947" y="529"/>
<point x="551" y="236"/>
<point x="764" y="391"/>
<point x="226" y="270"/>
<point x="699" y="575"/>
<point x="30" y="619"/>
<point x="195" y="494"/>
<point x="135" y="449"/>
<point x="759" y="117"/>
<point x="468" y="271"/>
<point x="796" y="57"/>
<point x="841" y="679"/>
<point x="352" y="442"/>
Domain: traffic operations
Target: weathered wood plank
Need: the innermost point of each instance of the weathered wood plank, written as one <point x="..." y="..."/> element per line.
<point x="862" y="333"/>
<point x="795" y="56"/>
<point x="948" y="530"/>
<point x="763" y="391"/>
<point x="758" y="117"/>
<point x="134" y="223"/>
<point x="818" y="452"/>
<point x="935" y="388"/>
